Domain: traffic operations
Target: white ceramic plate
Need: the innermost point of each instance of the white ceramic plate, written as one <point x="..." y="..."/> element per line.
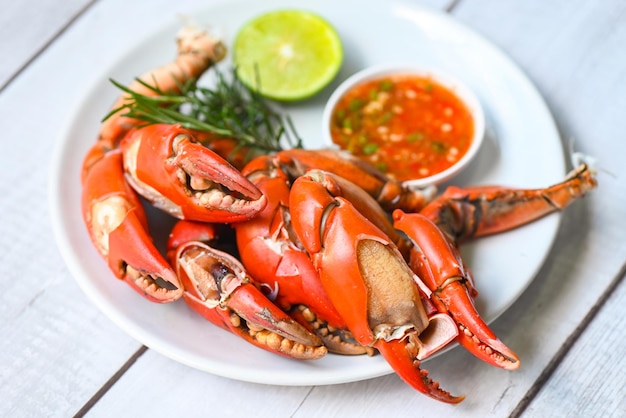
<point x="522" y="149"/>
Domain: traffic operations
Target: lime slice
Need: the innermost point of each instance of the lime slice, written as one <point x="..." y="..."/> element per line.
<point x="287" y="55"/>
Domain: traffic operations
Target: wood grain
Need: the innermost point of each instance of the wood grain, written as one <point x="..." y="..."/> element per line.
<point x="589" y="381"/>
<point x="28" y="27"/>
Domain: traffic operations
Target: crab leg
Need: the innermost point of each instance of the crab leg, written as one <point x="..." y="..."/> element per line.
<point x="369" y="283"/>
<point x="118" y="228"/>
<point x="438" y="262"/>
<point x="479" y="211"/>
<point x="219" y="288"/>
<point x="166" y="165"/>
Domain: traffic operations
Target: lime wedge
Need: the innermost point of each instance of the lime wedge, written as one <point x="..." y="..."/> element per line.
<point x="287" y="55"/>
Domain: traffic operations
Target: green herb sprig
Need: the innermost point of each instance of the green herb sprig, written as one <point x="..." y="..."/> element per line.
<point x="228" y="109"/>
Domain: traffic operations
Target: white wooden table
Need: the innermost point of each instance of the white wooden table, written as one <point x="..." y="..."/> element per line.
<point x="60" y="356"/>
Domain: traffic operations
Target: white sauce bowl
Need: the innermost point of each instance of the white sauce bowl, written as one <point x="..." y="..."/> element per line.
<point x="458" y="88"/>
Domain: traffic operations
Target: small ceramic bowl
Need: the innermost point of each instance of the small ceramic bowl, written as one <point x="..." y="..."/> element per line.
<point x="462" y="92"/>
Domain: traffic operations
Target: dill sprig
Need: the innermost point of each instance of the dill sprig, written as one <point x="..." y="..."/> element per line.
<point x="228" y="109"/>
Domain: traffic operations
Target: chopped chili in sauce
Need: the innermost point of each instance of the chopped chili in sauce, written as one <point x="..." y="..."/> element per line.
<point x="408" y="126"/>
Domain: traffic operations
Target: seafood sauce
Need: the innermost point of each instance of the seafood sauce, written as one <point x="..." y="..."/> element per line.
<point x="408" y="126"/>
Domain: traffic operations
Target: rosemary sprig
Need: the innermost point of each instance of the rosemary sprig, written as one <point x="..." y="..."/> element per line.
<point x="228" y="109"/>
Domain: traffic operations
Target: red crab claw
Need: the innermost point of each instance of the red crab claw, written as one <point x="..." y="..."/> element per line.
<point x="197" y="52"/>
<point x="479" y="211"/>
<point x="368" y="282"/>
<point x="287" y="273"/>
<point x="118" y="228"/>
<point x="438" y="262"/>
<point x="166" y="165"/>
<point x="218" y="288"/>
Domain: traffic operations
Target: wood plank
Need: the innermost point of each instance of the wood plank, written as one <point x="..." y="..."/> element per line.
<point x="190" y="392"/>
<point x="56" y="348"/>
<point x="27" y="27"/>
<point x="589" y="381"/>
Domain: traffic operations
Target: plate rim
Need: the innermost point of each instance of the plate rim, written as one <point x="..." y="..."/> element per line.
<point x="55" y="183"/>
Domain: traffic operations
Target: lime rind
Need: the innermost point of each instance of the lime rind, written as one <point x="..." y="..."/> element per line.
<point x="287" y="55"/>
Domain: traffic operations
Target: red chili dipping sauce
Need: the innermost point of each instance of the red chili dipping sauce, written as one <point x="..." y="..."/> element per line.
<point x="408" y="126"/>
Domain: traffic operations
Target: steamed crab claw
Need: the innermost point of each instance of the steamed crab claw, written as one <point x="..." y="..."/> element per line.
<point x="197" y="51"/>
<point x="438" y="262"/>
<point x="167" y="166"/>
<point x="118" y="227"/>
<point x="218" y="287"/>
<point x="369" y="282"/>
